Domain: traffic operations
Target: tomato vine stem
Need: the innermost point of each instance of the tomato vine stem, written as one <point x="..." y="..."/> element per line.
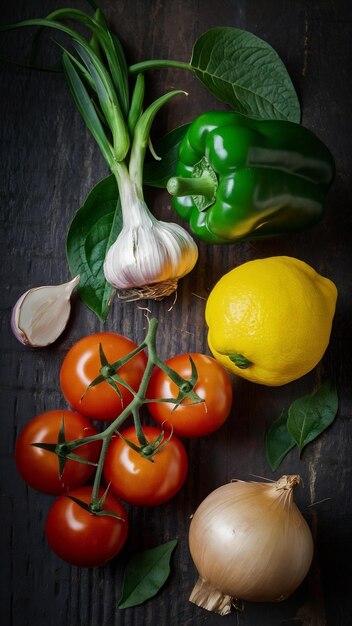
<point x="186" y="389"/>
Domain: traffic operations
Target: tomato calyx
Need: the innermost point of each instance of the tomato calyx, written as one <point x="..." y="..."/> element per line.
<point x="96" y="505"/>
<point x="147" y="449"/>
<point x="185" y="385"/>
<point x="63" y="450"/>
<point x="95" y="509"/>
<point x="108" y="372"/>
<point x="105" y="371"/>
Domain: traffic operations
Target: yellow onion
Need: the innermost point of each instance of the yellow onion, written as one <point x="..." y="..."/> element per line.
<point x="249" y="541"/>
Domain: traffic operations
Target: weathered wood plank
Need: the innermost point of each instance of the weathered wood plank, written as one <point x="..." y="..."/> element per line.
<point x="48" y="164"/>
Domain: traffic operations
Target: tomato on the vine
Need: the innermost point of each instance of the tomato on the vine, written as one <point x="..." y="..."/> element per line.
<point x="82" y="365"/>
<point x="138" y="480"/>
<point x="40" y="467"/>
<point x="82" y="538"/>
<point x="213" y="386"/>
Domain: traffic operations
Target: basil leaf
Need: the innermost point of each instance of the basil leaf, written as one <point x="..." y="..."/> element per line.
<point x="309" y="416"/>
<point x="245" y="72"/>
<point x="93" y="229"/>
<point x="145" y="574"/>
<point x="157" y="173"/>
<point x="278" y="441"/>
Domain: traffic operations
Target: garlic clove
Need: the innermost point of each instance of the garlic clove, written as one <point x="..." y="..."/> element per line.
<point x="40" y="315"/>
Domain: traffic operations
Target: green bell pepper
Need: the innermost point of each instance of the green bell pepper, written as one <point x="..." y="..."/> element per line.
<point x="243" y="178"/>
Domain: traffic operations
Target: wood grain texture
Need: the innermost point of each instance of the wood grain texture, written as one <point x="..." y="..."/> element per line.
<point x="48" y="165"/>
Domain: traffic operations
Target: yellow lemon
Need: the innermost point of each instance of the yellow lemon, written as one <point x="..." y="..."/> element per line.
<point x="270" y="319"/>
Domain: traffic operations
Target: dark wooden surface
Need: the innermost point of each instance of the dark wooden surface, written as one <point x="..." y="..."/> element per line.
<point x="48" y="164"/>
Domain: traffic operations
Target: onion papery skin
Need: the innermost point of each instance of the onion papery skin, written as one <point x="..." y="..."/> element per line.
<point x="249" y="541"/>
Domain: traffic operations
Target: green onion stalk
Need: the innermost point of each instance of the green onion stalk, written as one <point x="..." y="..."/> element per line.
<point x="149" y="256"/>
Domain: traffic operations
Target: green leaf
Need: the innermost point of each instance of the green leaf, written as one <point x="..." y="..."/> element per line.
<point x="93" y="229"/>
<point x="157" y="173"/>
<point x="246" y="73"/>
<point x="309" y="416"/>
<point x="278" y="441"/>
<point x="145" y="574"/>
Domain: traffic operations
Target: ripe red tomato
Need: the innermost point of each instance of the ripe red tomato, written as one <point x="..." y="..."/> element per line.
<point x="39" y="467"/>
<point x="82" y="365"/>
<point x="213" y="386"/>
<point x="136" y="479"/>
<point x="82" y="538"/>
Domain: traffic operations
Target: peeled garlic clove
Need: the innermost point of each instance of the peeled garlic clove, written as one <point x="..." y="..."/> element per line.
<point x="41" y="314"/>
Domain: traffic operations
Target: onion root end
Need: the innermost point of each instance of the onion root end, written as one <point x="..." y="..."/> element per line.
<point x="210" y="598"/>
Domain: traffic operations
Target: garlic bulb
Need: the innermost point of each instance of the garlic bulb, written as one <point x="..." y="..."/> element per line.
<point x="41" y="314"/>
<point x="148" y="256"/>
<point x="249" y="541"/>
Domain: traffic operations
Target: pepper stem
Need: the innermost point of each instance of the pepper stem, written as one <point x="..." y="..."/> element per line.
<point x="240" y="361"/>
<point x="178" y="186"/>
<point x="201" y="186"/>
